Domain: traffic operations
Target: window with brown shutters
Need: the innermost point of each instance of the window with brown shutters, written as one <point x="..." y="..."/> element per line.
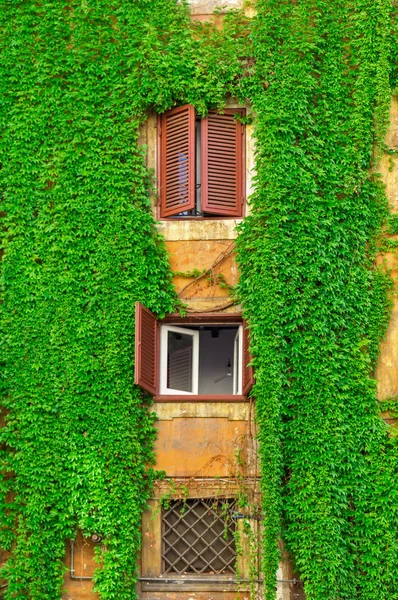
<point x="221" y="164"/>
<point x="201" y="163"/>
<point x="190" y="359"/>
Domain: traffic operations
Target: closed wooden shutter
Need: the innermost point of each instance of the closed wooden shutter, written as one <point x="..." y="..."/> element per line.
<point x="146" y="349"/>
<point x="222" y="161"/>
<point x="177" y="161"/>
<point x="247" y="375"/>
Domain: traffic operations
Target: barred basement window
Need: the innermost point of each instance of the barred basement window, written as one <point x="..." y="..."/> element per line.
<point x="198" y="537"/>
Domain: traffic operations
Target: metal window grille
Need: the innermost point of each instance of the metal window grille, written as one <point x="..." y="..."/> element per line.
<point x="198" y="537"/>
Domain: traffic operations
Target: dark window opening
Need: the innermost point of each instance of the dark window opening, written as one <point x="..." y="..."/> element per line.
<point x="201" y="360"/>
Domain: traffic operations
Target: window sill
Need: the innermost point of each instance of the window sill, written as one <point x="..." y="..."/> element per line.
<point x="167" y="583"/>
<point x="201" y="398"/>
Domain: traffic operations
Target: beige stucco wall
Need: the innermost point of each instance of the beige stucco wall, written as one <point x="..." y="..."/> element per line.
<point x="203" y="10"/>
<point x="208" y="6"/>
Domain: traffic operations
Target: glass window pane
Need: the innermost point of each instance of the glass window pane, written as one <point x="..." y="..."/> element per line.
<point x="237" y="360"/>
<point x="179" y="361"/>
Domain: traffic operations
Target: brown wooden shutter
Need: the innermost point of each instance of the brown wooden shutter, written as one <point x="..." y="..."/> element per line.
<point x="146" y="349"/>
<point x="222" y="164"/>
<point x="247" y="372"/>
<point x="177" y="161"/>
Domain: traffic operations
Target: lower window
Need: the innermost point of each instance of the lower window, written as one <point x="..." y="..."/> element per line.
<point x="198" y="537"/>
<point x="194" y="544"/>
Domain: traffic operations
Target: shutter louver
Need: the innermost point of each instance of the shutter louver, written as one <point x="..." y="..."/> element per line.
<point x="146" y="349"/>
<point x="222" y="160"/>
<point x="179" y="370"/>
<point x="177" y="161"/>
<point x="247" y="373"/>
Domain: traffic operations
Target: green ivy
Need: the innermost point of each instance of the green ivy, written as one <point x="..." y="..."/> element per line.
<point x="77" y="79"/>
<point x="80" y="247"/>
<point x="317" y="304"/>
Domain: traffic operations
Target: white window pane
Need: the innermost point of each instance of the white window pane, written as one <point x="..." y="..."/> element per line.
<point x="237" y="387"/>
<point x="179" y="361"/>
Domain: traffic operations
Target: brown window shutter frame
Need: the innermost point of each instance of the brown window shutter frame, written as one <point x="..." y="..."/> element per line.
<point x="247" y="372"/>
<point x="146" y="366"/>
<point x="177" y="161"/>
<point x="222" y="163"/>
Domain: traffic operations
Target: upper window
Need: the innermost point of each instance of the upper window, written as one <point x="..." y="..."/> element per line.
<point x="196" y="359"/>
<point x="201" y="163"/>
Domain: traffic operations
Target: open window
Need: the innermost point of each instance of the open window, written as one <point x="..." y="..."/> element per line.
<point x="206" y="358"/>
<point x="201" y="163"/>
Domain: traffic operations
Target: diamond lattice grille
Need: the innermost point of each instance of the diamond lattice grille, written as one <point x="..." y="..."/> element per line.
<point x="198" y="537"/>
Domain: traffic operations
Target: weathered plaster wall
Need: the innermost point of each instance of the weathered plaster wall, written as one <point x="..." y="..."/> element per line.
<point x="84" y="566"/>
<point x="207" y="7"/>
<point x="206" y="449"/>
<point x="202" y="10"/>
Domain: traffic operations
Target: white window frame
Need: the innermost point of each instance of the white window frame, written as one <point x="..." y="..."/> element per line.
<point x="164" y="331"/>
<point x="237" y="363"/>
<point x="237" y="360"/>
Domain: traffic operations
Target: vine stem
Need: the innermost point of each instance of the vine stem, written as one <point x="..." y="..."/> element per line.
<point x="223" y="256"/>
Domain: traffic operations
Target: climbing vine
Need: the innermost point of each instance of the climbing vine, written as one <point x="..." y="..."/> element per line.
<point x="77" y="79"/>
<point x="80" y="247"/>
<point x="317" y="304"/>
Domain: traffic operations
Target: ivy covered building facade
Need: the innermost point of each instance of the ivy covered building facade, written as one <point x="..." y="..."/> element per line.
<point x="199" y="313"/>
